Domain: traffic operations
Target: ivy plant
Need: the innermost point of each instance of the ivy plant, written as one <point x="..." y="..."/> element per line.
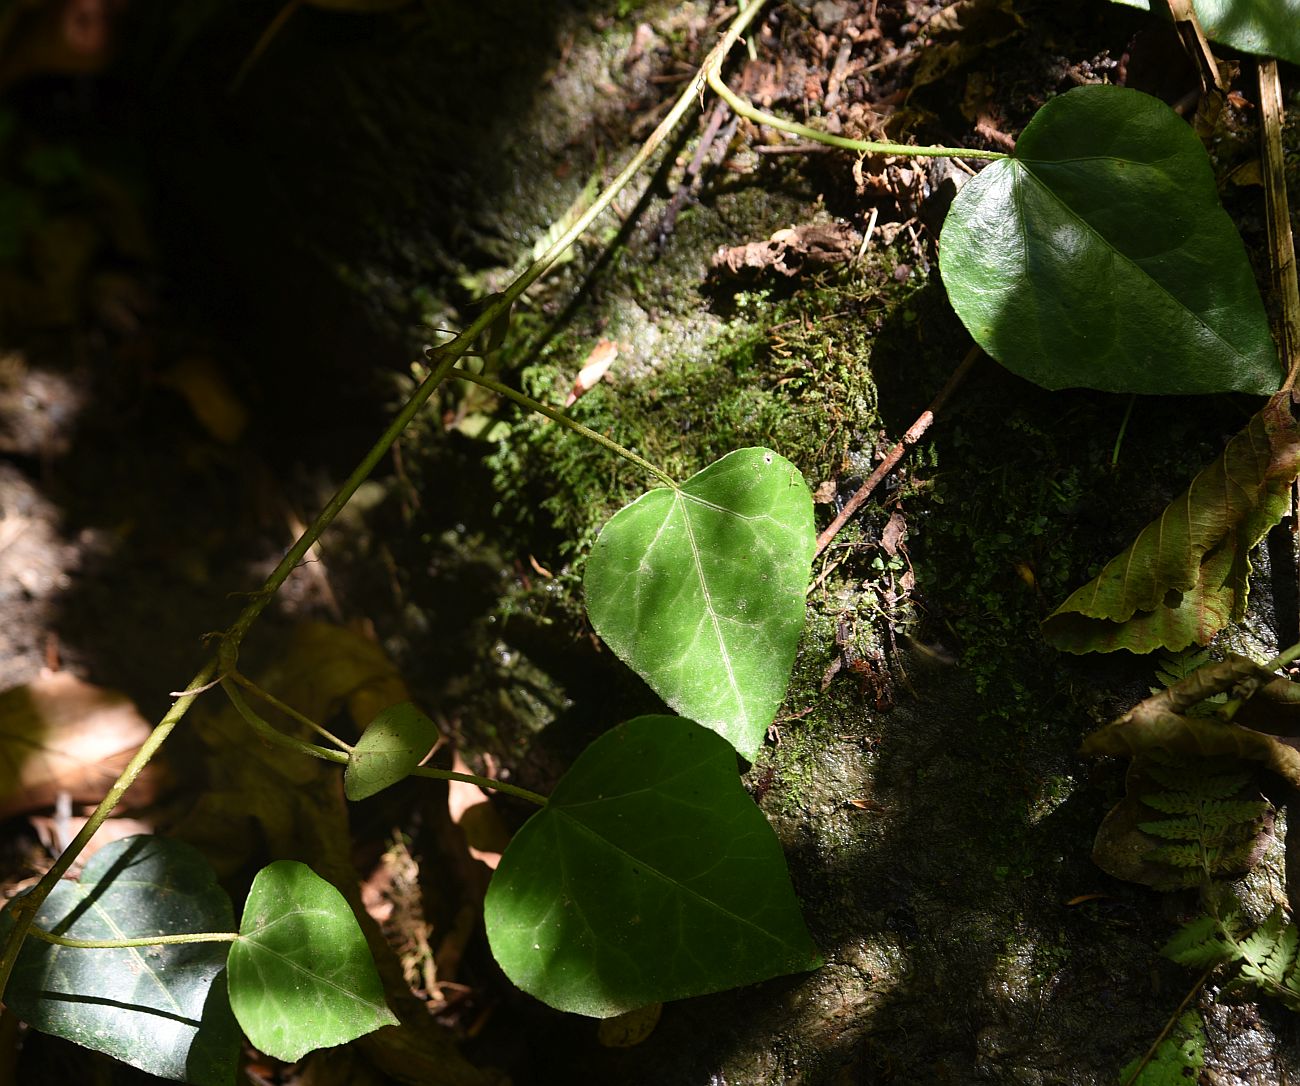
<point x="1095" y="255"/>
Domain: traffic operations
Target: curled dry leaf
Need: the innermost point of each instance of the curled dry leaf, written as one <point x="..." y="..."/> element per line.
<point x="486" y="834"/>
<point x="597" y="365"/>
<point x="790" y="252"/>
<point x="1187" y="575"/>
<point x="59" y="734"/>
<point x="1165" y="722"/>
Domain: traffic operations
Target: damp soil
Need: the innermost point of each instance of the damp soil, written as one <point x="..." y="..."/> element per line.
<point x="368" y="182"/>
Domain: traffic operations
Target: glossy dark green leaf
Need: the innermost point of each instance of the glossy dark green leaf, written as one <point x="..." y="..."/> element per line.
<point x="1264" y="27"/>
<point x="1187" y="575"/>
<point x="650" y="875"/>
<point x="701" y="590"/>
<point x="1098" y="256"/>
<point x="393" y="744"/>
<point x="162" y="1009"/>
<point x="301" y="975"/>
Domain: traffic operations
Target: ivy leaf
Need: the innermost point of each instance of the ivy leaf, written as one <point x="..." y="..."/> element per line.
<point x="1098" y="256"/>
<point x="1187" y="574"/>
<point x="162" y="1009"/>
<point x="301" y="975"/>
<point x="393" y="744"/>
<point x="649" y="875"/>
<point x="1264" y="27"/>
<point x="700" y="590"/>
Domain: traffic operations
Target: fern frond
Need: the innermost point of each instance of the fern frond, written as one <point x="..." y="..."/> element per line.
<point x="1174" y="803"/>
<point x="1193" y="855"/>
<point x="1269" y="952"/>
<point x="1201" y="943"/>
<point x="1220" y="814"/>
<point x="1173" y="829"/>
<point x="1196" y="777"/>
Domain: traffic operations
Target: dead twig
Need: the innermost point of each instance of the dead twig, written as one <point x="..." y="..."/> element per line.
<point x="1281" y="245"/>
<point x="910" y="438"/>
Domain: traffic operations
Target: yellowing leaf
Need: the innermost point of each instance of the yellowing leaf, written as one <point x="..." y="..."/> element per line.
<point x="1187" y="574"/>
<point x="213" y="401"/>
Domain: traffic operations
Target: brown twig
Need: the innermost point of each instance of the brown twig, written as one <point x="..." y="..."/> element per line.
<point x="910" y="438"/>
<point x="1281" y="245"/>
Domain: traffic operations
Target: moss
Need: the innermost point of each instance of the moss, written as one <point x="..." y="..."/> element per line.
<point x="792" y="375"/>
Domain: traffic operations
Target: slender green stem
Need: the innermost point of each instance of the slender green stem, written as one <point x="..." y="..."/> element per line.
<point x="1123" y="429"/>
<point x="287" y="710"/>
<point x="559" y="416"/>
<point x="122" y="944"/>
<point x="277" y="738"/>
<point x="867" y="147"/>
<point x="1285" y="657"/>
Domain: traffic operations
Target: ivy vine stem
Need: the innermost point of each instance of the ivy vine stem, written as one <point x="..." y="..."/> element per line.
<point x="751" y="112"/>
<point x="556" y="415"/>
<point x="300" y="746"/>
<point x="124" y="944"/>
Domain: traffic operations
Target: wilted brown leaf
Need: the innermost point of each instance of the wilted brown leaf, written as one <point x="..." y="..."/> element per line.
<point x="1187" y="574"/>
<point x="627" y="1030"/>
<point x="1122" y="848"/>
<point x="1164" y="721"/>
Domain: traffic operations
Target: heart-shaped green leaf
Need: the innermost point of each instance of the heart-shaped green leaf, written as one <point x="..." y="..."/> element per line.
<point x="301" y="975"/>
<point x="162" y="1009"/>
<point x="1099" y="256"/>
<point x="393" y="744"/>
<point x="700" y="590"/>
<point x="1268" y="28"/>
<point x="649" y="875"/>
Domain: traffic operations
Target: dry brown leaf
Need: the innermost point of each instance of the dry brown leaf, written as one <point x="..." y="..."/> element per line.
<point x="470" y="809"/>
<point x="59" y="734"/>
<point x="626" y="1030"/>
<point x="327" y="667"/>
<point x="1164" y="720"/>
<point x="894" y="534"/>
<point x="204" y="387"/>
<point x="790" y="252"/>
<point x="602" y="356"/>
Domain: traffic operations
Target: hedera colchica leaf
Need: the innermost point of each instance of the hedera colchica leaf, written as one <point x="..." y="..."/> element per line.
<point x="700" y="590"/>
<point x="392" y="745"/>
<point x="650" y="875"/>
<point x="301" y="976"/>
<point x="1098" y="256"/>
<point x="162" y="1009"/>
<point x="1187" y="574"/>
<point x="1264" y="27"/>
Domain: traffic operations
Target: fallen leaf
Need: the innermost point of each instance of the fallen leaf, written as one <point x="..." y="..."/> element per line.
<point x="790" y="252"/>
<point x="1165" y="721"/>
<point x="597" y="365"/>
<point x="894" y="534"/>
<point x="1187" y="574"/>
<point x="485" y="833"/>
<point x="204" y="387"/>
<point x="627" y="1030"/>
<point x="59" y="734"/>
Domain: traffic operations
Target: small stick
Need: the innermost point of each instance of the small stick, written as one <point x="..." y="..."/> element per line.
<point x="1281" y="245"/>
<point x="913" y="435"/>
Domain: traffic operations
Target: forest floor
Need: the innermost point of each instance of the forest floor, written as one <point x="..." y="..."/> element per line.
<point x="222" y="245"/>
